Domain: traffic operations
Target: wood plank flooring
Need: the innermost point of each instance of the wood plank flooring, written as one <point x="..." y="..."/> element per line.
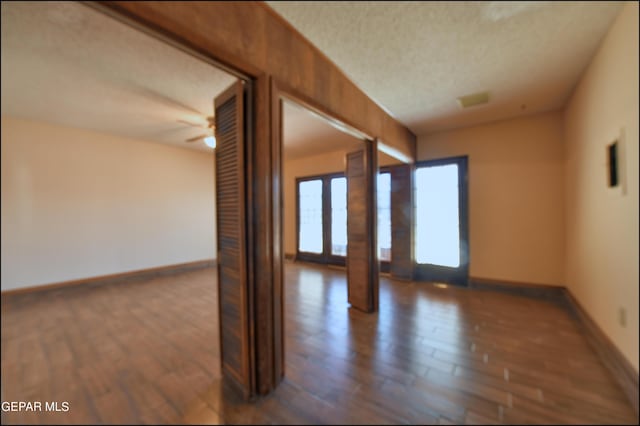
<point x="146" y="351"/>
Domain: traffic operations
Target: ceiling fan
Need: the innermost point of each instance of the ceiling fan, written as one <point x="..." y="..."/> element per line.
<point x="208" y="138"/>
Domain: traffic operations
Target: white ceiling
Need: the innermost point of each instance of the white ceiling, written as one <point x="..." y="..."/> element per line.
<point x="416" y="58"/>
<point x="68" y="64"/>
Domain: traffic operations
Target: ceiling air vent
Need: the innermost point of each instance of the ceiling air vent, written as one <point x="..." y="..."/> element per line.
<point x="473" y="100"/>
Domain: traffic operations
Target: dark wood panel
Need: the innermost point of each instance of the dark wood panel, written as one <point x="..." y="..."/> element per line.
<point x="358" y="277"/>
<point x="234" y="301"/>
<point x="275" y="114"/>
<point x="266" y="245"/>
<point x="251" y="38"/>
<point x="371" y="149"/>
<point x="402" y="222"/>
<point x="362" y="264"/>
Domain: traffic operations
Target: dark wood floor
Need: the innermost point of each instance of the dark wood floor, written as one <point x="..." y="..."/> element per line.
<point x="147" y="352"/>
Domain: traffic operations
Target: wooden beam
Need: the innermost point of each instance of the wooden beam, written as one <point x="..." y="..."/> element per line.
<point x="253" y="39"/>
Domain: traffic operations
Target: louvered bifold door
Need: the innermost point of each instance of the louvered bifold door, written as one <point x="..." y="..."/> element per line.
<point x="233" y="291"/>
<point x="362" y="263"/>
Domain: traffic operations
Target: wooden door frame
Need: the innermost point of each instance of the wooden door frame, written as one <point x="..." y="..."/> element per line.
<point x="263" y="211"/>
<point x="187" y="27"/>
<point x="281" y="91"/>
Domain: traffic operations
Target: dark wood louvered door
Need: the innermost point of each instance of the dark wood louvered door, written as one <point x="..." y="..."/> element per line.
<point x="233" y="290"/>
<point x="362" y="263"/>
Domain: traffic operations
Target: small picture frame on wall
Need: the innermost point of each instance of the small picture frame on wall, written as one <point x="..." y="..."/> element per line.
<point x="616" y="162"/>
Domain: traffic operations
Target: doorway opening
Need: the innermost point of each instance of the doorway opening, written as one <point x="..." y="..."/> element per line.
<point x="109" y="169"/>
<point x="315" y="186"/>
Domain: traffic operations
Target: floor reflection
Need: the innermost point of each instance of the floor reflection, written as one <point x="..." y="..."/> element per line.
<point x="147" y="352"/>
<point x="432" y="354"/>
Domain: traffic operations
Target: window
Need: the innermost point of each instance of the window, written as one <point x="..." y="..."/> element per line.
<point x="310" y="216"/>
<point x="437" y="223"/>
<point x="384" y="216"/>
<point x="322" y="218"/>
<point x="339" y="216"/>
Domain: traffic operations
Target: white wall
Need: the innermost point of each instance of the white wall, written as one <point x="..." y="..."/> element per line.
<point x="79" y="204"/>
<point x="602" y="224"/>
<point x="516" y="195"/>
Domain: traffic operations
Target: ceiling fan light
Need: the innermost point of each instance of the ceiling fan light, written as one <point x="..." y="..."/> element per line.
<point x="210" y="141"/>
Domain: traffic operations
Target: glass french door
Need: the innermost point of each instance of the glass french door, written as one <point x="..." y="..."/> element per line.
<point x="310" y="232"/>
<point x="384" y="219"/>
<point x="322" y="219"/>
<point x="338" y="208"/>
<point x="441" y="243"/>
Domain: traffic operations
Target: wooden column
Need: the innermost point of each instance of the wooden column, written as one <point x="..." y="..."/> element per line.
<point x="362" y="251"/>
<point x="249" y="239"/>
<point x="266" y="228"/>
<point x="402" y="222"/>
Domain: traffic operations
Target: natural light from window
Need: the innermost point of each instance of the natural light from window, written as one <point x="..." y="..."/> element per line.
<point x="437" y="223"/>
<point x="384" y="216"/>
<point x="310" y="212"/>
<point x="339" y="216"/>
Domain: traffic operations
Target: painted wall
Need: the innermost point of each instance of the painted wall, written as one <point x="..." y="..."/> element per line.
<point x="79" y="204"/>
<point x="516" y="195"/>
<point x="602" y="223"/>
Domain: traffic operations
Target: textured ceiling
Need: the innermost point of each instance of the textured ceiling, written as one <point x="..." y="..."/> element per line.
<point x="65" y="63"/>
<point x="416" y="58"/>
<point x="68" y="64"/>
